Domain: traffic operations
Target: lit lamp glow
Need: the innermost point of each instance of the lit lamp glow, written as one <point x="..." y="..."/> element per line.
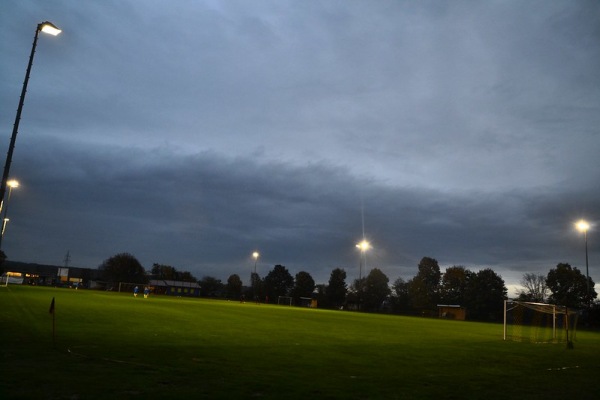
<point x="49" y="28"/>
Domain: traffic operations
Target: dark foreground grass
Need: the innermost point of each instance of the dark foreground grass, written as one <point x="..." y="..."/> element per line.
<point x="114" y="346"/>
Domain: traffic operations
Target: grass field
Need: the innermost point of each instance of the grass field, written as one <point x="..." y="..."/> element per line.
<point x="114" y="346"/>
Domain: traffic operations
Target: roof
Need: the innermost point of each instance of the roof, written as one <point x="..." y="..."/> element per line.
<point x="170" y="283"/>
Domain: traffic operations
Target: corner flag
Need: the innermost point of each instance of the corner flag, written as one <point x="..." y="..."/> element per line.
<point x="52" y="307"/>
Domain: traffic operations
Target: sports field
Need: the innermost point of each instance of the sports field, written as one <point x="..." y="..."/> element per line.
<point x="114" y="346"/>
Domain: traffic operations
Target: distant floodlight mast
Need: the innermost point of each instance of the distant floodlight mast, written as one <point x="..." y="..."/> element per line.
<point x="254" y="279"/>
<point x="49" y="28"/>
<point x="584" y="226"/>
<point x="363" y="246"/>
<point x="255" y="255"/>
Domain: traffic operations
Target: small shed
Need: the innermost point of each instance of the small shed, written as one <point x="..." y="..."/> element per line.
<point x="451" y="311"/>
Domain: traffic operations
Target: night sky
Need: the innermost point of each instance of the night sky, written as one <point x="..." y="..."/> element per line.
<point x="192" y="133"/>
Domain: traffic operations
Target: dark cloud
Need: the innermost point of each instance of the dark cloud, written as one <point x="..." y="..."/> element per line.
<point x="193" y="133"/>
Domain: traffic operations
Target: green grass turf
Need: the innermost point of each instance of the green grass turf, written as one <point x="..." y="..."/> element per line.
<point x="114" y="346"/>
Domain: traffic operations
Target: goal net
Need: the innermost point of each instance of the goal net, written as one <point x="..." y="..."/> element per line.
<point x="538" y="322"/>
<point x="285" y="300"/>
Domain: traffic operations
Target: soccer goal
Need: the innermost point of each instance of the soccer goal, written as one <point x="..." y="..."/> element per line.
<point x="284" y="300"/>
<point x="538" y="322"/>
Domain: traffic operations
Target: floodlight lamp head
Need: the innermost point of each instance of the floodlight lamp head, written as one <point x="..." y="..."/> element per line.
<point x="582" y="225"/>
<point x="49" y="28"/>
<point x="363" y="246"/>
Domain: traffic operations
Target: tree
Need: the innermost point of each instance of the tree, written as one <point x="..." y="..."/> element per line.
<point x="186" y="276"/>
<point x="424" y="287"/>
<point x="376" y="290"/>
<point x="337" y="288"/>
<point x="304" y="286"/>
<point x="535" y="288"/>
<point x="210" y="287"/>
<point x="400" y="296"/>
<point x="123" y="267"/>
<point x="161" y="271"/>
<point x="569" y="287"/>
<point x="485" y="296"/>
<point x="234" y="287"/>
<point x="256" y="287"/>
<point x="278" y="282"/>
<point x="321" y="296"/>
<point x="453" y="288"/>
<point x="356" y="292"/>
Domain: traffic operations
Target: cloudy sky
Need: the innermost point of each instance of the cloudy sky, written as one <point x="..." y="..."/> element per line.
<point x="191" y="133"/>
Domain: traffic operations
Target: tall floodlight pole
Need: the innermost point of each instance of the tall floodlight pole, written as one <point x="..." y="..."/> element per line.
<point x="48" y="28"/>
<point x="255" y="255"/>
<point x="12" y="184"/>
<point x="363" y="246"/>
<point x="583" y="226"/>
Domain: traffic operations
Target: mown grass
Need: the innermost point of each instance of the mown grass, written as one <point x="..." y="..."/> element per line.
<point x="112" y="345"/>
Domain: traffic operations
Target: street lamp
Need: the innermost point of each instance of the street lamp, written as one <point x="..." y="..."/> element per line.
<point x="583" y="226"/>
<point x="50" y="29"/>
<point x="255" y="255"/>
<point x="363" y="246"/>
<point x="13" y="183"/>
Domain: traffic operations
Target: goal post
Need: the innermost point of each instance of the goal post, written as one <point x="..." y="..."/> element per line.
<point x="538" y="322"/>
<point x="284" y="300"/>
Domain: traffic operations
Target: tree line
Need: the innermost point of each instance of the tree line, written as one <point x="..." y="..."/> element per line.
<point x="481" y="293"/>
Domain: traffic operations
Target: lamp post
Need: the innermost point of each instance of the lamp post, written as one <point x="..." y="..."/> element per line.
<point x="255" y="255"/>
<point x="11" y="185"/>
<point x="50" y="29"/>
<point x="363" y="246"/>
<point x="583" y="226"/>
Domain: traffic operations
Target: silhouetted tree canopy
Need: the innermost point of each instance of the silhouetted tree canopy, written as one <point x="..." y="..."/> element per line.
<point x="304" y="285"/>
<point x="210" y="286"/>
<point x="535" y="288"/>
<point x="234" y="287"/>
<point x="455" y="281"/>
<point x="568" y="287"/>
<point x="376" y="290"/>
<point x="424" y="287"/>
<point x="337" y="288"/>
<point x="123" y="267"/>
<point x="400" y="296"/>
<point x="278" y="282"/>
<point x="485" y="296"/>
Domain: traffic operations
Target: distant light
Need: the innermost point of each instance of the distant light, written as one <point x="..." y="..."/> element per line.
<point x="13" y="183"/>
<point x="255" y="255"/>
<point x="49" y="28"/>
<point x="582" y="225"/>
<point x="363" y="246"/>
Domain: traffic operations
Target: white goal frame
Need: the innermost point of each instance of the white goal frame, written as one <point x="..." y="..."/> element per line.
<point x="285" y="300"/>
<point x="551" y="309"/>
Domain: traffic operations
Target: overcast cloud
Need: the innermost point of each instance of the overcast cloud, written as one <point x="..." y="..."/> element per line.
<point x="191" y="133"/>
